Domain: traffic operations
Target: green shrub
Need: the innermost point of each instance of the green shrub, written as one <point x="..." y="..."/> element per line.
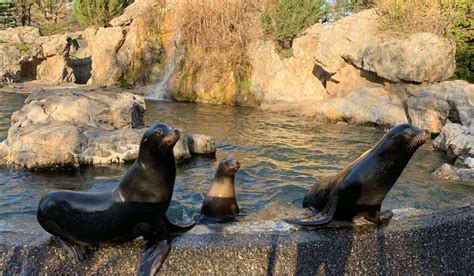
<point x="70" y="24"/>
<point x="290" y="17"/>
<point x="97" y="12"/>
<point x="23" y="48"/>
<point x="461" y="31"/>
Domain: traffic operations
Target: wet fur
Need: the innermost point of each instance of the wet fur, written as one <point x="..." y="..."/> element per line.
<point x="362" y="186"/>
<point x="136" y="207"/>
<point x="220" y="200"/>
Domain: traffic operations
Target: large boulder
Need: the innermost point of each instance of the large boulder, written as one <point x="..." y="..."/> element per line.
<point x="20" y="35"/>
<point x="346" y="37"/>
<point x="365" y="105"/>
<point x="430" y="106"/>
<point x="458" y="143"/>
<point x="422" y="57"/>
<point x="289" y="80"/>
<point x="106" y="69"/>
<point x="58" y="128"/>
<point x="29" y="56"/>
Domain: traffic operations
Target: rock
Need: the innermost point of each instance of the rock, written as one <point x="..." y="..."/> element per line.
<point x="286" y="80"/>
<point x="114" y="110"/>
<point x="458" y="142"/>
<point x="201" y="144"/>
<point x="105" y="66"/>
<point x="60" y="128"/>
<point x="346" y="37"/>
<point x="430" y="106"/>
<point x="37" y="146"/>
<point x="136" y="9"/>
<point x="365" y="105"/>
<point x="19" y="61"/>
<point x="20" y="35"/>
<point x="449" y="171"/>
<point x="181" y="149"/>
<point x="68" y="128"/>
<point x="423" y="57"/>
<point x="115" y="146"/>
<point x="55" y="70"/>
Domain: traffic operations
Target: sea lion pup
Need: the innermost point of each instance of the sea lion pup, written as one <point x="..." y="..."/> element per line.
<point x="362" y="186"/>
<point x="220" y="202"/>
<point x="136" y="207"/>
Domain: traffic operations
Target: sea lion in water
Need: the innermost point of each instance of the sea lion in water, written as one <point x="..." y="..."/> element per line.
<point x="362" y="186"/>
<point x="220" y="202"/>
<point x="136" y="207"/>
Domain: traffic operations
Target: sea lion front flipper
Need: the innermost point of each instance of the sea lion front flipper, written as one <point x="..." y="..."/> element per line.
<point x="374" y="216"/>
<point x="154" y="257"/>
<point x="321" y="218"/>
<point x="173" y="228"/>
<point x="77" y="251"/>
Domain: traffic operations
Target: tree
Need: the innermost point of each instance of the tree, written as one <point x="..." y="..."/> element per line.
<point x="288" y="18"/>
<point x="7" y="14"/>
<point x="51" y="9"/>
<point x="98" y="12"/>
<point x="23" y="11"/>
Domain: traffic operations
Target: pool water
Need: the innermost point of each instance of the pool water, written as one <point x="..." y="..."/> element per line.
<point x="281" y="157"/>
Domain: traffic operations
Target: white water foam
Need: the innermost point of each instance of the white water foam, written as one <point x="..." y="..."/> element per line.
<point x="174" y="58"/>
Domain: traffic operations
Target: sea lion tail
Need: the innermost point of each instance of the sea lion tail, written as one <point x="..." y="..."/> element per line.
<point x="154" y="257"/>
<point x="325" y="216"/>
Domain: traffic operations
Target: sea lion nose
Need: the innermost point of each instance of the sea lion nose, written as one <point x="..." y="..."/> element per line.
<point x="237" y="163"/>
<point x="177" y="133"/>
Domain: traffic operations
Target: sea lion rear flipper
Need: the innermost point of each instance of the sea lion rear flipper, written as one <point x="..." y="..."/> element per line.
<point x="173" y="228"/>
<point x="321" y="218"/>
<point x="77" y="251"/>
<point x="154" y="257"/>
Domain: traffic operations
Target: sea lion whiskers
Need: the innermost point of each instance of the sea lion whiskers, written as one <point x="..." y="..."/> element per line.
<point x="419" y="139"/>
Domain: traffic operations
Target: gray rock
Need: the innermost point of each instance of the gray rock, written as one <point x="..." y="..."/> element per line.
<point x="200" y="144"/>
<point x="181" y="149"/>
<point x="453" y="172"/>
<point x="365" y="105"/>
<point x="430" y="106"/>
<point x="458" y="142"/>
<point x="57" y="128"/>
<point x="423" y="57"/>
<point x="70" y="128"/>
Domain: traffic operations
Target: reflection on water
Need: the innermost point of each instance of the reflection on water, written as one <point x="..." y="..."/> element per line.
<point x="281" y="157"/>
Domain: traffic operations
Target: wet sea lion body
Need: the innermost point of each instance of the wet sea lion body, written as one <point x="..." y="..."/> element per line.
<point x="220" y="202"/>
<point x="362" y="186"/>
<point x="136" y="207"/>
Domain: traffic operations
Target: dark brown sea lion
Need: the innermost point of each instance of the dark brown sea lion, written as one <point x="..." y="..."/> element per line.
<point x="136" y="207"/>
<point x="362" y="186"/>
<point x="220" y="202"/>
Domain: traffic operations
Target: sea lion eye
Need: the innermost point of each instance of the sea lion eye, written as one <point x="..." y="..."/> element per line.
<point x="159" y="133"/>
<point x="408" y="132"/>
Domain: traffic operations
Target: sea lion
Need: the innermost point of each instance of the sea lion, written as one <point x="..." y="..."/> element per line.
<point x="136" y="207"/>
<point x="362" y="186"/>
<point x="220" y="202"/>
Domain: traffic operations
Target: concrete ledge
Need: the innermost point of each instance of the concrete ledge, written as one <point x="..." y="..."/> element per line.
<point x="413" y="242"/>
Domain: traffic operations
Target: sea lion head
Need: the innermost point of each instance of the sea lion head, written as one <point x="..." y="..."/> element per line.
<point x="160" y="138"/>
<point x="228" y="167"/>
<point x="406" y="138"/>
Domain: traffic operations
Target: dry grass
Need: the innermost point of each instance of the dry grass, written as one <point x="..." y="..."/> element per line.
<point x="410" y="16"/>
<point x="216" y="31"/>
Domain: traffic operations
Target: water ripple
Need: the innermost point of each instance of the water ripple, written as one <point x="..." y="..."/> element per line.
<point x="281" y="156"/>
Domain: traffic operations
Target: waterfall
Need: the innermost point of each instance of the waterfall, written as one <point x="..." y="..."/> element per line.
<point x="174" y="57"/>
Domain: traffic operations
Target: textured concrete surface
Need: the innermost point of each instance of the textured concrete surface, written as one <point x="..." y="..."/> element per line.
<point x="414" y="241"/>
